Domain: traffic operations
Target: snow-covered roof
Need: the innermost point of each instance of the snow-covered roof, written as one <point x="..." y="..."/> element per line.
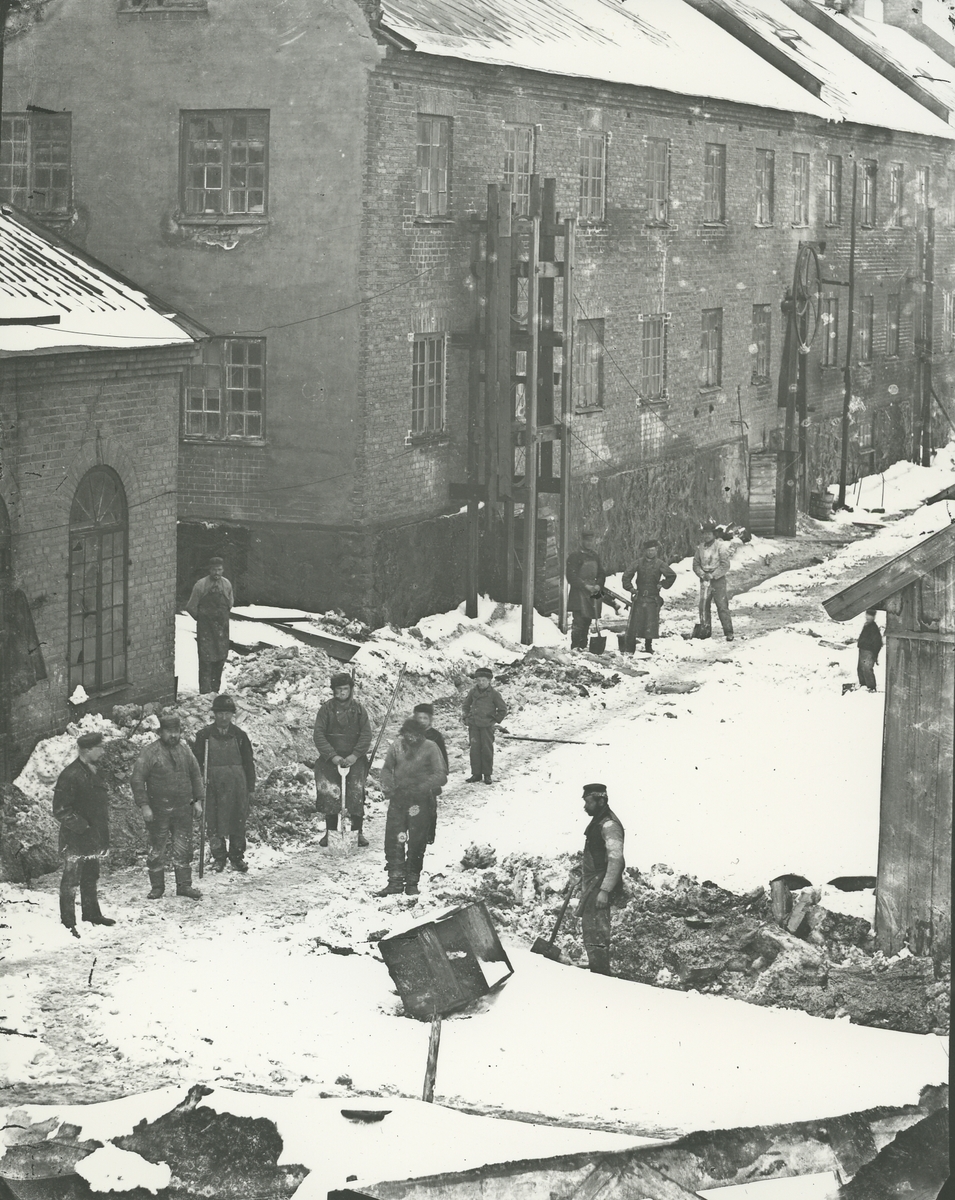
<point x="661" y="44"/>
<point x="874" y="589"/>
<point x="851" y="90"/>
<point x="43" y="278"/>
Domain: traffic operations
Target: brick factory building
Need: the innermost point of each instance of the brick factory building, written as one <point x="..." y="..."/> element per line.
<point x="309" y="182"/>
<point x="89" y="396"/>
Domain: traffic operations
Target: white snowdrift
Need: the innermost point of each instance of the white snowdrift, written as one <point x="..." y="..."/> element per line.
<point x="110" y="1169"/>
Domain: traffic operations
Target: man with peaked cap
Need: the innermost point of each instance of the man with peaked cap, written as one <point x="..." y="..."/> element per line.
<point x="342" y="737"/>
<point x="224" y="754"/>
<point x="411" y="776"/>
<point x="652" y="574"/>
<point x="586" y="576"/>
<point x="167" y="786"/>
<point x="81" y="806"/>
<point x="601" y="875"/>
<point x="424" y="715"/>
<point x="210" y="604"/>
<point x="483" y="708"/>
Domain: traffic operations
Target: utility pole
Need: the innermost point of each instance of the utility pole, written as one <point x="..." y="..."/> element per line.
<point x="844" y="459"/>
<point x="531" y="443"/>
<point x="928" y="318"/>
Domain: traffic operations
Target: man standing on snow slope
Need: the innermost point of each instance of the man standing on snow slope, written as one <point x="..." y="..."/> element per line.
<point x="601" y="875"/>
<point x="342" y="737"/>
<point x="411" y="776"/>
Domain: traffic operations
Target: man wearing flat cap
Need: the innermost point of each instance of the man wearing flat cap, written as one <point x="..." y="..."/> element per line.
<point x="601" y="875"/>
<point x="167" y="786"/>
<point x="483" y="708"/>
<point x="210" y="604"/>
<point x="224" y="754"/>
<point x="81" y="806"/>
<point x="342" y="738"/>
<point x="424" y="715"/>
<point x="586" y="576"/>
<point x="644" y="582"/>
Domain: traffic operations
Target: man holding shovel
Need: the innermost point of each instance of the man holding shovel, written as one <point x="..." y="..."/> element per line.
<point x="601" y="875"/>
<point x="710" y="564"/>
<point x="343" y="738"/>
<point x="411" y="776"/>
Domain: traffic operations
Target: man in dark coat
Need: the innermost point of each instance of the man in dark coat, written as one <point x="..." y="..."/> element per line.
<point x="81" y="805"/>
<point x="586" y="576"/>
<point x="167" y="785"/>
<point x="210" y="603"/>
<point x="483" y="708"/>
<point x="870" y="647"/>
<point x="411" y="776"/>
<point x="342" y="736"/>
<point x="424" y="715"/>
<point x="601" y="875"/>
<point x="224" y="754"/>
<point x="652" y="574"/>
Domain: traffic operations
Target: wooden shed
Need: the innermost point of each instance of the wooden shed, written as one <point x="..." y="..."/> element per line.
<point x="917" y="593"/>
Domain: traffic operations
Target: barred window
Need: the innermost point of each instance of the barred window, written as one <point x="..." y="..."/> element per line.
<point x="892" y="313"/>
<point x="519" y="165"/>
<point x="654" y="360"/>
<point x="829" y="320"/>
<point x="35" y="167"/>
<point x="800" y="189"/>
<point x="834" y="189"/>
<point x="762" y="327"/>
<point x="593" y="176"/>
<point x="428" y="383"/>
<point x="765" y="186"/>
<point x="866" y="310"/>
<point x="921" y="194"/>
<point x="224" y="164"/>
<point x="897" y="194"/>
<point x="658" y="180"/>
<point x="711" y="348"/>
<point x="870" y="169"/>
<point x="224" y="395"/>
<point x="714" y="183"/>
<point x="589" y="364"/>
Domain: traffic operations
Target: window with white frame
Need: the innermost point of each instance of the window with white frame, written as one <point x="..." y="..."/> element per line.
<point x="711" y="348"/>
<point x="593" y="176"/>
<point x="897" y="194"/>
<point x="800" y="179"/>
<point x="658" y="180"/>
<point x="765" y="186"/>
<point x="833" y="189"/>
<point x="428" y="382"/>
<point x="35" y="168"/>
<point x="224" y="395"/>
<point x="519" y="165"/>
<point x="589" y="364"/>
<point x="653" y="374"/>
<point x="433" y="166"/>
<point x="714" y="183"/>
<point x="224" y="164"/>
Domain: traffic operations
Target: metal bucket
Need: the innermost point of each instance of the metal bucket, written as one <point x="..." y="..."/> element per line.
<point x="597" y="645"/>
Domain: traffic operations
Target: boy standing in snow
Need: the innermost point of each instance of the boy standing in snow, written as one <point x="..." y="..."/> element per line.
<point x="601" y="875"/>
<point x="424" y="714"/>
<point x="870" y="647"/>
<point x="483" y="708"/>
<point x="342" y="738"/>
<point x="224" y="754"/>
<point x="412" y="774"/>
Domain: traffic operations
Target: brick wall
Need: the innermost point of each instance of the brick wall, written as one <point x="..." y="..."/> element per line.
<point x="60" y="416"/>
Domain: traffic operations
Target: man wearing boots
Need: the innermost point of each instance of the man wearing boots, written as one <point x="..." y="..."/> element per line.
<point x="710" y="564"/>
<point x="424" y="715"/>
<point x="167" y="786"/>
<point x="81" y="805"/>
<point x="412" y="775"/>
<point x="224" y="754"/>
<point x="342" y="738"/>
<point x="652" y="574"/>
<point x="483" y="708"/>
<point x="601" y="876"/>
<point x="210" y="604"/>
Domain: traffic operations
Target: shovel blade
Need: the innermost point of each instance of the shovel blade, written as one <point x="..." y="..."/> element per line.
<point x="548" y="949"/>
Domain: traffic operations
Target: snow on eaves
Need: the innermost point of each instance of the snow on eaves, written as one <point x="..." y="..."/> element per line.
<point x="41" y="277"/>
<point x="661" y="44"/>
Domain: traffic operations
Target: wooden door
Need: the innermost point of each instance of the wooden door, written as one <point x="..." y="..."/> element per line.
<point x="762" y="494"/>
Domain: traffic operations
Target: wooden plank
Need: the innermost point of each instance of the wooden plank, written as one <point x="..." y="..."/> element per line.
<point x="903" y="570"/>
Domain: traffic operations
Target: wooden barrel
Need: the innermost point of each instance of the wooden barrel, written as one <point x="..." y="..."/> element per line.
<point x="820" y="506"/>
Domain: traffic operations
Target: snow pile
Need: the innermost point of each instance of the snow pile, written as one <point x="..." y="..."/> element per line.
<point x="902" y="486"/>
<point x="110" y="1169"/>
<point x="51" y="755"/>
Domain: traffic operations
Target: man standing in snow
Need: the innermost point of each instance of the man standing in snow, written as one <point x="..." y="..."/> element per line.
<point x="167" y="786"/>
<point x="424" y="715"/>
<point x="210" y="604"/>
<point x="652" y="574"/>
<point x="411" y="776"/>
<point x="81" y="805"/>
<point x="224" y="754"/>
<point x="870" y="647"/>
<point x="586" y="576"/>
<point x="483" y="708"/>
<point x="710" y="564"/>
<point x="601" y="875"/>
<point x="342" y="737"/>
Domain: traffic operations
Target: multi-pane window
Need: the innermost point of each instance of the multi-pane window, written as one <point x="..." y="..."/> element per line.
<point x="97" y="604"/>
<point x="593" y="176"/>
<point x="224" y="395"/>
<point x="897" y="194"/>
<point x="866" y="311"/>
<point x="225" y="163"/>
<point x="870" y="169"/>
<point x="829" y="321"/>
<point x="800" y="189"/>
<point x="428" y="383"/>
<point x="833" y="189"/>
<point x="711" y="348"/>
<point x="589" y="364"/>
<point x="893" y="311"/>
<point x="434" y="166"/>
<point x="653" y="375"/>
<point x="519" y="165"/>
<point x="921" y="194"/>
<point x="948" y="321"/>
<point x="714" y="183"/>
<point x="765" y="186"/>
<point x="35" y="172"/>
<point x="658" y="180"/>
<point x="762" y="326"/>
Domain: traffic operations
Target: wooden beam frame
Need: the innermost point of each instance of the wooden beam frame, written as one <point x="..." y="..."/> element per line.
<point x="875" y="588"/>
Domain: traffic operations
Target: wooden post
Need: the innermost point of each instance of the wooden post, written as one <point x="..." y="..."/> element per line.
<point x="491" y="327"/>
<point x="782" y="899"/>
<point x="545" y="376"/>
<point x="529" y="575"/>
<point x="566" y="415"/>
<point x="928" y="319"/>
<point x="431" y="1070"/>
<point x="847" y="371"/>
<point x="474" y="434"/>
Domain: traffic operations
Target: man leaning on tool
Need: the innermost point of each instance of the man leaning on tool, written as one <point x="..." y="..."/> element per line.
<point x="601" y="875"/>
<point x="167" y="786"/>
<point x="342" y="737"/>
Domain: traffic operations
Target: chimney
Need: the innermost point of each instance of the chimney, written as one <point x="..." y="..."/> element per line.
<point x="930" y="21"/>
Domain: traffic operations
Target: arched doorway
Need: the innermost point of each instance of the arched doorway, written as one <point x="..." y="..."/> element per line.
<point x="99" y="531"/>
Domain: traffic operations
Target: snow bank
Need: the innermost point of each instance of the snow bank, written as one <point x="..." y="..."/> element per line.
<point x="902" y="486"/>
<point x="51" y="755"/>
<point x="110" y="1169"/>
<point x="187" y="656"/>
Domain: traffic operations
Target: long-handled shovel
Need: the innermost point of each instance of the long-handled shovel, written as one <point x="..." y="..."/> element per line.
<point x="202" y="826"/>
<point x="343" y="774"/>
<point x="546" y="946"/>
